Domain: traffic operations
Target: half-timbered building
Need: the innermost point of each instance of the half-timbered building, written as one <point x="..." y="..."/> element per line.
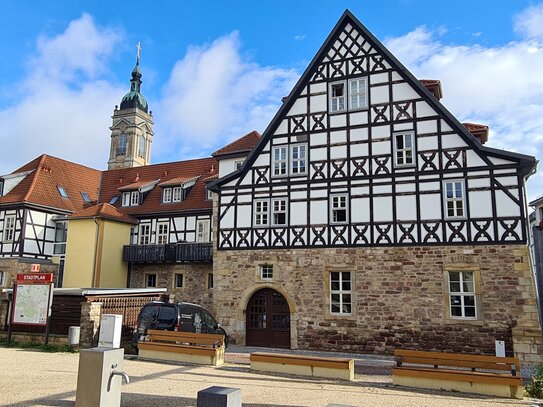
<point x="368" y="217"/>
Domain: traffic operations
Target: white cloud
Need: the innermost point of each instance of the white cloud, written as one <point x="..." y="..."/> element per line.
<point x="498" y="86"/>
<point x="213" y="96"/>
<point x="529" y="22"/>
<point x="300" y="37"/>
<point x="63" y="106"/>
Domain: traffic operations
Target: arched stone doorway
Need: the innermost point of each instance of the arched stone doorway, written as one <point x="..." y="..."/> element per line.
<point x="268" y="320"/>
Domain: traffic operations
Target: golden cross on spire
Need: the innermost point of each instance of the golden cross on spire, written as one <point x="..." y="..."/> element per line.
<point x="138" y="46"/>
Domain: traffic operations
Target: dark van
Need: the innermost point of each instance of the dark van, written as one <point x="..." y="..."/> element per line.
<point x="177" y="316"/>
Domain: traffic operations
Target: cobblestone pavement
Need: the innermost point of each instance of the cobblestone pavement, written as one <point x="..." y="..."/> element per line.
<point x="30" y="378"/>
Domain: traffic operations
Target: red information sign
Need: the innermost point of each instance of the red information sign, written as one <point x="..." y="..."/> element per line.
<point x="35" y="278"/>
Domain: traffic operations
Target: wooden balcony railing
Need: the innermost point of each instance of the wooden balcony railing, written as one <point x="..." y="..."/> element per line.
<point x="168" y="253"/>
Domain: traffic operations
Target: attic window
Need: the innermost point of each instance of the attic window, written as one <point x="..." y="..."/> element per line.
<point x="86" y="197"/>
<point x="62" y="191"/>
<point x="114" y="200"/>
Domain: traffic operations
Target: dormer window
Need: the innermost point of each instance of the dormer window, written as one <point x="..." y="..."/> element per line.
<point x="177" y="194"/>
<point x="131" y="198"/>
<point x="121" y="146"/>
<point x="167" y="195"/>
<point x="62" y="191"/>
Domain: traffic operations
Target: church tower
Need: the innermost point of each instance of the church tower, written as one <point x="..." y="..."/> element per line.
<point x="132" y="129"/>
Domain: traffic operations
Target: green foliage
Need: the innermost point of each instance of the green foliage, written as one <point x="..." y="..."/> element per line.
<point x="535" y="387"/>
<point x="37" y="346"/>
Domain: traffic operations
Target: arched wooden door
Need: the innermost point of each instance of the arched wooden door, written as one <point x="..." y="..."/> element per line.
<point x="268" y="320"/>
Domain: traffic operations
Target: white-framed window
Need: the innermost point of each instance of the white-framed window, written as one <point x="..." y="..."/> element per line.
<point x="202" y="230"/>
<point x="404" y="149"/>
<point x="266" y="272"/>
<point x="279" y="211"/>
<point x="3" y="278"/>
<point x="279" y="160"/>
<point x="298" y="159"/>
<point x="145" y="233"/>
<point x="121" y="146"/>
<point x="210" y="282"/>
<point x="150" y="280"/>
<point x="462" y="298"/>
<point x="179" y="280"/>
<point x="126" y="199"/>
<point x="8" y="234"/>
<point x="454" y="197"/>
<point x="337" y="96"/>
<point x="166" y="195"/>
<point x="142" y="146"/>
<point x="61" y="233"/>
<point x="340" y="292"/>
<point x="134" y="198"/>
<point x="338" y="208"/>
<point x="358" y="94"/>
<point x="209" y="194"/>
<point x="261" y="207"/>
<point x="162" y="232"/>
<point x="177" y="194"/>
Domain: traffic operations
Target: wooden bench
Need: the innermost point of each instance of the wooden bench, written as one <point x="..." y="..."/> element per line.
<point x="497" y="376"/>
<point x="336" y="368"/>
<point x="206" y="349"/>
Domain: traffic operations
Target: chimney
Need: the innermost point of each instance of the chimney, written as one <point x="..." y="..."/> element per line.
<point x="479" y="131"/>
<point x="434" y="86"/>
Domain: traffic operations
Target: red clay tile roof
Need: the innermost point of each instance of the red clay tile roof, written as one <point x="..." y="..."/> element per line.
<point x="177" y="181"/>
<point x="478" y="130"/>
<point x="104" y="211"/>
<point x="241" y="145"/>
<point x="434" y="86"/>
<point x="40" y="187"/>
<point x="113" y="180"/>
<point x="135" y="185"/>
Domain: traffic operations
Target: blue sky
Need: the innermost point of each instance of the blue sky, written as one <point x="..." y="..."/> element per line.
<point x="215" y="70"/>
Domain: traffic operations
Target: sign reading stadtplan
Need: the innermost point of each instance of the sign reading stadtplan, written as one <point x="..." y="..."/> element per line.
<point x="32" y="298"/>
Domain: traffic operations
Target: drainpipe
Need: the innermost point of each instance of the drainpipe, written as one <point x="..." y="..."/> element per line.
<point x="95" y="252"/>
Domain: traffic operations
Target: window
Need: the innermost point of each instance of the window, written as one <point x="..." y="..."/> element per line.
<point x="238" y="164"/>
<point x="3" y="278"/>
<point x="178" y="281"/>
<point x="404" y="149"/>
<point x="121" y="146"/>
<point x="145" y="234"/>
<point x="62" y="191"/>
<point x="209" y="194"/>
<point x="86" y="197"/>
<point x="114" y="200"/>
<point x="358" y="94"/>
<point x="134" y="198"/>
<point x="209" y="280"/>
<point x="462" y="294"/>
<point x="261" y="212"/>
<point x="1" y="187"/>
<point x="150" y="280"/>
<point x="279" y="160"/>
<point x="61" y="231"/>
<point x="142" y="145"/>
<point x="266" y="272"/>
<point x="279" y="212"/>
<point x="202" y="230"/>
<point x="339" y="209"/>
<point x="340" y="292"/>
<point x="167" y="195"/>
<point x="454" y="199"/>
<point x="9" y="228"/>
<point x="162" y="233"/>
<point x="298" y="159"/>
<point x="177" y="194"/>
<point x="337" y="96"/>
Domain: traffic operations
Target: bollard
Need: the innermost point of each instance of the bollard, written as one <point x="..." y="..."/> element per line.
<point x="73" y="335"/>
<point x="217" y="396"/>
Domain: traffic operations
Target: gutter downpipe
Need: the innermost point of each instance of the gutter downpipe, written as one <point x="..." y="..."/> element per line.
<point x="95" y="251"/>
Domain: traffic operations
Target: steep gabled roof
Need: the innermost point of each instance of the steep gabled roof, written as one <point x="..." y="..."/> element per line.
<point x="240" y="146"/>
<point x="104" y="211"/>
<point x="526" y="163"/>
<point x="47" y="174"/>
<point x="115" y="181"/>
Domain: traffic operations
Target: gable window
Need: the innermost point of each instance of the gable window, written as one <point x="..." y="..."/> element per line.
<point x="266" y="272"/>
<point x="3" y="278"/>
<point x="279" y="160"/>
<point x="121" y="146"/>
<point x="61" y="232"/>
<point x="340" y="292"/>
<point x="142" y="145"/>
<point x="298" y="159"/>
<point x="178" y="280"/>
<point x="337" y="96"/>
<point x="150" y="280"/>
<point x="279" y="212"/>
<point x="202" y="230"/>
<point x="462" y="294"/>
<point x="261" y="212"/>
<point x="162" y="233"/>
<point x="9" y="228"/>
<point x="358" y="98"/>
<point x="404" y="149"/>
<point x="177" y="194"/>
<point x="338" y="208"/>
<point x="454" y="199"/>
<point x="145" y="234"/>
<point x="238" y="164"/>
<point x="167" y="195"/>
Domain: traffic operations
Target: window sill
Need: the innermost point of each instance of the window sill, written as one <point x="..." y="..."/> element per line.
<point x="461" y="321"/>
<point x="339" y="317"/>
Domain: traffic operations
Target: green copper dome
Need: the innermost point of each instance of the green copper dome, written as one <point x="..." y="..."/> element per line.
<point x="134" y="98"/>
